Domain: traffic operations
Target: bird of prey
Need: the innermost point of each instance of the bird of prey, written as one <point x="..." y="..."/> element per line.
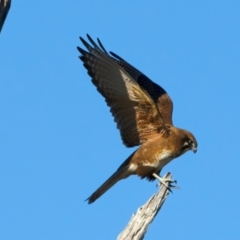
<point x="143" y="113"/>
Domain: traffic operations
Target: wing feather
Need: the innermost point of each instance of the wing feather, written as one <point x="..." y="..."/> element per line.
<point x="134" y="111"/>
<point x="158" y="94"/>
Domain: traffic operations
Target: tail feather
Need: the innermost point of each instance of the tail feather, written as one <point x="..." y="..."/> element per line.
<point x="121" y="173"/>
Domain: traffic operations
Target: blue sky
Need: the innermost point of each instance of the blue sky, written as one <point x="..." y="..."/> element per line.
<point x="58" y="139"/>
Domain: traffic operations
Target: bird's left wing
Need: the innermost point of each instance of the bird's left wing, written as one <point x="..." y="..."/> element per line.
<point x="134" y="111"/>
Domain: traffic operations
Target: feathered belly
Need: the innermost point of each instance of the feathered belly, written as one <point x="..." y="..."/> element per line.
<point x="147" y="166"/>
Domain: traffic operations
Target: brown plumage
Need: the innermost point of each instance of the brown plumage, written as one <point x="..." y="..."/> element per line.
<point x="142" y="111"/>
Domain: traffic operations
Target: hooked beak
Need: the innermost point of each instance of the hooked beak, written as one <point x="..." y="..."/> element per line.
<point x="194" y="148"/>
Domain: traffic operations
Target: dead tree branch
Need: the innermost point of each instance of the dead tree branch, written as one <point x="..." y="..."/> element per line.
<point x="138" y="225"/>
<point x="4" y="8"/>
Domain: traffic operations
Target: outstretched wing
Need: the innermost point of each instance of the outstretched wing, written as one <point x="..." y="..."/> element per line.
<point x="157" y="93"/>
<point x="134" y="111"/>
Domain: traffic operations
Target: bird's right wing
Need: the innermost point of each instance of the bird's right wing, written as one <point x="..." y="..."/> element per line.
<point x="134" y="111"/>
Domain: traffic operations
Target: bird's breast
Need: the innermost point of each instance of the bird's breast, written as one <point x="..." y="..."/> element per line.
<point x="159" y="159"/>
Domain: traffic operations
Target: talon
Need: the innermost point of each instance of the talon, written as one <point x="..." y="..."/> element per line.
<point x="173" y="186"/>
<point x="166" y="182"/>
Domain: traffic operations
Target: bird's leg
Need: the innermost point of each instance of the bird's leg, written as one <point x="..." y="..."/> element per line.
<point x="166" y="182"/>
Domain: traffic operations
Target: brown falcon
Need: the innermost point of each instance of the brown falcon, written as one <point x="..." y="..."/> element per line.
<point x="143" y="113"/>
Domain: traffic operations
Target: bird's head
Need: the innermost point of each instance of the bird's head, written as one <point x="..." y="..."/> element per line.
<point x="189" y="142"/>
